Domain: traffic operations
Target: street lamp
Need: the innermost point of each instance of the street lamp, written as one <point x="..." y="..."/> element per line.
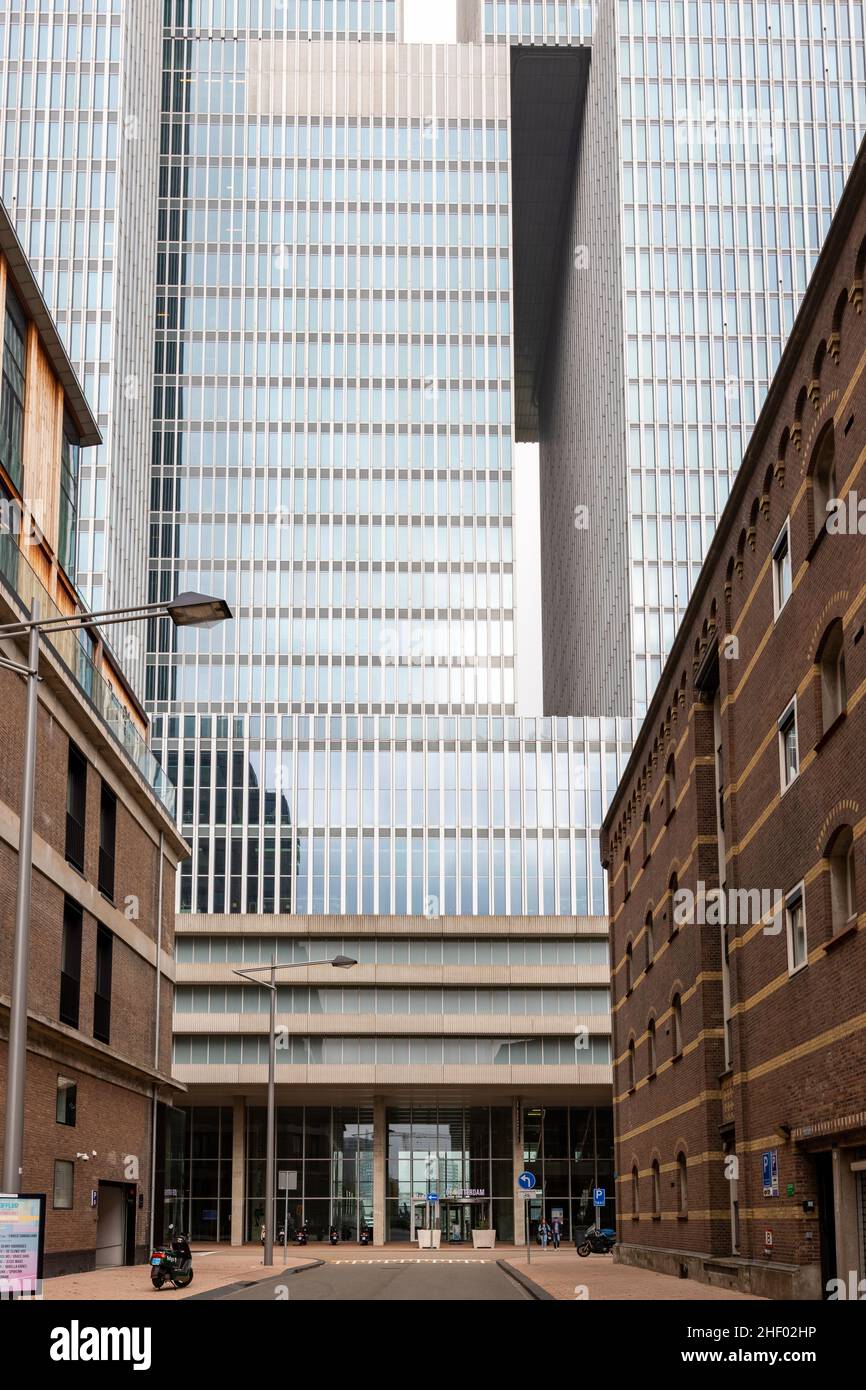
<point x="186" y="611"/>
<point x="338" y="963"/>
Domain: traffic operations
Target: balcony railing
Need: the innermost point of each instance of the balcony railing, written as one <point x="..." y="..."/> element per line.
<point x="19" y="576"/>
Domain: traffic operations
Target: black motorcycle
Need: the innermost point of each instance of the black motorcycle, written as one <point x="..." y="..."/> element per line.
<point x="171" y="1263"/>
<point x="365" y="1238"/>
<point x="333" y="1237"/>
<point x="596" y="1242"/>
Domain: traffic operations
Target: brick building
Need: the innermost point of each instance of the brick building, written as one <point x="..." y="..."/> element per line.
<point x="736" y="851"/>
<point x="105" y="847"/>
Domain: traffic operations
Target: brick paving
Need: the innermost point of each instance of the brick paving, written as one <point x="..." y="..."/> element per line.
<point x="567" y="1277"/>
<point x="561" y="1272"/>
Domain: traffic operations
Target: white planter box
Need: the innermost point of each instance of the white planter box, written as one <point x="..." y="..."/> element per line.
<point x="484" y="1240"/>
<point x="428" y="1240"/>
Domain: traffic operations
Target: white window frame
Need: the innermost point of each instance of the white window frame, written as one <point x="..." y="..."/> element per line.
<point x="783" y="539"/>
<point x="797" y="897"/>
<point x="789" y="714"/>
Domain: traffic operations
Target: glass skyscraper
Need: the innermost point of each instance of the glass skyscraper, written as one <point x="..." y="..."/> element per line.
<point x="377" y="266"/>
<point x="80" y="108"/>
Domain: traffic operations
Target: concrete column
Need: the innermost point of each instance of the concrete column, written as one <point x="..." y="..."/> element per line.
<point x="239" y="1115"/>
<point x="517" y="1148"/>
<point x="380" y="1155"/>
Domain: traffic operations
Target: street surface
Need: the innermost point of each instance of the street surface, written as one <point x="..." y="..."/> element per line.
<point x="391" y="1281"/>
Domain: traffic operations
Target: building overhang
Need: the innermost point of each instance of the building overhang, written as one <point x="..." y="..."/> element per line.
<point x="26" y="288"/>
<point x="548" y="98"/>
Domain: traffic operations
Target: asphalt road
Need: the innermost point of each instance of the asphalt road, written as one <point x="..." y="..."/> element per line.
<point x="390" y="1283"/>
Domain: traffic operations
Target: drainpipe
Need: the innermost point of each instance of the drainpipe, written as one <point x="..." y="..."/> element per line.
<point x="156" y="1036"/>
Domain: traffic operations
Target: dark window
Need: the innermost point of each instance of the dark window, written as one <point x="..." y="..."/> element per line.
<point x="107" y="836"/>
<point x="64" y="1184"/>
<point x="67" y="1096"/>
<point x="102" y="994"/>
<point x="67" y="530"/>
<point x="70" y="964"/>
<point x="12" y="394"/>
<point x="76" y="804"/>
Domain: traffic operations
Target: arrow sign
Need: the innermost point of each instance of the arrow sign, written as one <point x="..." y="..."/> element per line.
<point x="526" y="1182"/>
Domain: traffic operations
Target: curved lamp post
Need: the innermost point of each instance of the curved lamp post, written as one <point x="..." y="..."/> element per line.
<point x="187" y="610"/>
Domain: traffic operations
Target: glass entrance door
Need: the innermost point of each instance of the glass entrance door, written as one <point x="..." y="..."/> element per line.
<point x="457" y="1223"/>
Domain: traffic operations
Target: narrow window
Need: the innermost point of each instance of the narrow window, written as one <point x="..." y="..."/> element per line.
<point x="843" y="894"/>
<point x="789" y="754"/>
<point x="67" y="528"/>
<point x="102" y="993"/>
<point x="651" y="1046"/>
<point x="682" y="1185"/>
<point x="631" y="1066"/>
<point x="834" y="685"/>
<point x="647" y="847"/>
<point x="64" y="1184"/>
<point x="824" y="488"/>
<point x="76" y="806"/>
<point x="650" y="940"/>
<point x="626" y="873"/>
<point x="12" y="391"/>
<point x="67" y="1095"/>
<point x="70" y="963"/>
<point x="795" y="920"/>
<point x="107" y="837"/>
<point x="657" y="1189"/>
<point x="782" y="579"/>
<point x="629" y="969"/>
<point x="677" y="1025"/>
<point x="670" y="788"/>
<point x="635" y="1192"/>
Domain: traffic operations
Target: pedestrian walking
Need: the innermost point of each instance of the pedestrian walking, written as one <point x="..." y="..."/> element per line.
<point x="556" y="1231"/>
<point x="544" y="1234"/>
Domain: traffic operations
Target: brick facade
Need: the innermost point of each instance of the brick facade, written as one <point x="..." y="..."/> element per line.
<point x="759" y="1036"/>
<point x="120" y="1082"/>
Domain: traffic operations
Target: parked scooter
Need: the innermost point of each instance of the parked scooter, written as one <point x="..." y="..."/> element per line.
<point x="302" y="1236"/>
<point x="365" y="1237"/>
<point x="171" y="1263"/>
<point x="596" y="1242"/>
<point x="334" y="1238"/>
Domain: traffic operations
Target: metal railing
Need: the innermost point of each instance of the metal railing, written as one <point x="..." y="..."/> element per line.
<point x="25" y="584"/>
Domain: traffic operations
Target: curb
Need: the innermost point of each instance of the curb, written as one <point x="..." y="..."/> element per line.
<point x="228" y="1289"/>
<point x="535" y="1290"/>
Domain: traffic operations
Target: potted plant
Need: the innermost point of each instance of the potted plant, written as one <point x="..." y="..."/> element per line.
<point x="428" y="1239"/>
<point x="482" y="1236"/>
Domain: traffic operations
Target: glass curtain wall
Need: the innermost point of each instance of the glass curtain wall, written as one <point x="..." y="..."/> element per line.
<point x="328" y="1154"/>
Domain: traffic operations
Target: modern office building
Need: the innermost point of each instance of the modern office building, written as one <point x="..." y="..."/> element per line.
<point x="379" y="266"/>
<point x="735" y="845"/>
<point x="80" y="87"/>
<point x="707" y="156"/>
<point x="105" y="845"/>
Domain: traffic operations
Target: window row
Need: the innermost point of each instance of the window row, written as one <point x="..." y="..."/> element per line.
<point x="314" y="874"/>
<point x="303" y="999"/>
<point x="298" y="1051"/>
<point x="258" y="950"/>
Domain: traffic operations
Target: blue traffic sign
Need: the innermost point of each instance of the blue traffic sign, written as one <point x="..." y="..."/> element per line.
<point x="599" y="1197"/>
<point x="432" y="1196"/>
<point x="526" y="1182"/>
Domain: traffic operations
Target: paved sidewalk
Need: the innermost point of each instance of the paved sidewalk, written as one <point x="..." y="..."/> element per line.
<point x="567" y="1277"/>
<point x="561" y="1272"/>
<point x="214" y="1269"/>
